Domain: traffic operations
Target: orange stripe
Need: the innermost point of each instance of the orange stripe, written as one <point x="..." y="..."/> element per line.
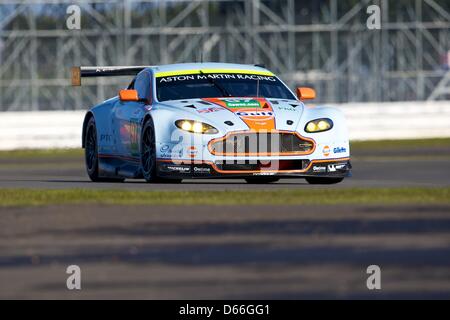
<point x="212" y="164"/>
<point x="276" y="171"/>
<point x="252" y="121"/>
<point x="258" y="125"/>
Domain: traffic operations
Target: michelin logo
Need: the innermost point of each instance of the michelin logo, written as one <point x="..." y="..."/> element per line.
<point x="180" y="169"/>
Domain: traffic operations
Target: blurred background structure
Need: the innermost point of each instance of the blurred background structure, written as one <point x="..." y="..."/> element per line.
<point x="320" y="43"/>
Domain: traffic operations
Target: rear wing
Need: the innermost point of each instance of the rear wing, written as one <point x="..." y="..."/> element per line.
<point x="88" y="72"/>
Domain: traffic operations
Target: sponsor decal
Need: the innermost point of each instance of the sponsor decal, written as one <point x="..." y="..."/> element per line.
<point x="168" y="153"/>
<point x="175" y="168"/>
<point x="171" y="155"/>
<point x="340" y="166"/>
<point x="339" y="150"/>
<point x="105" y="137"/>
<point x="326" y="151"/>
<point x="319" y="169"/>
<point x="250" y="114"/>
<point x="242" y="103"/>
<point x="264" y="174"/>
<point x="255" y="112"/>
<point x="209" y="110"/>
<point x="202" y="169"/>
<point x="129" y="134"/>
<point x="165" y="148"/>
<point x="214" y="76"/>
<point x="336" y="167"/>
<point x="286" y="108"/>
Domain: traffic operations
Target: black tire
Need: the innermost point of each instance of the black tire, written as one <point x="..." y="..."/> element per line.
<point x="148" y="152"/>
<point x="148" y="155"/>
<point x="321" y="180"/>
<point x="91" y="154"/>
<point x="261" y="180"/>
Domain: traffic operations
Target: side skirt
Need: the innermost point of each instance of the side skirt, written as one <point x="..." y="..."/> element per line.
<point x="116" y="166"/>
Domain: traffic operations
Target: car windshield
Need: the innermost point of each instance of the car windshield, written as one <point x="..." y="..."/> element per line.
<point x="215" y="85"/>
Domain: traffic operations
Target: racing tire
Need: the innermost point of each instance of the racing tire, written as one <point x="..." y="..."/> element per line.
<point x="261" y="180"/>
<point x="321" y="180"/>
<point x="148" y="155"/>
<point x="91" y="154"/>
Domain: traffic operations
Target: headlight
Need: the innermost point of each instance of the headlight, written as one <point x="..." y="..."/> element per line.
<point x="195" y="127"/>
<point x="319" y="125"/>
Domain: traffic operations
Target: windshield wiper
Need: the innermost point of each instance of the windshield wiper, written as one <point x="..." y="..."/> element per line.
<point x="224" y="91"/>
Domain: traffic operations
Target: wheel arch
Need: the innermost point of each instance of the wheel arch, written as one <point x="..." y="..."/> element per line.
<point x="147" y="118"/>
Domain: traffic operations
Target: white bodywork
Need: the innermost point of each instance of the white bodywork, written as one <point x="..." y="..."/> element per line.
<point x="119" y="124"/>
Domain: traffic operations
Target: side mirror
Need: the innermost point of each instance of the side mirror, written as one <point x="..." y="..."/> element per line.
<point x="304" y="93"/>
<point x="128" y="95"/>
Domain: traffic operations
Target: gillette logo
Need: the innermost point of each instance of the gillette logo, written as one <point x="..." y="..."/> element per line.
<point x="339" y="150"/>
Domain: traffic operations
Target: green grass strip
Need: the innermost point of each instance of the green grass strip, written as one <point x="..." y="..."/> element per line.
<point x="28" y="197"/>
<point x="41" y="154"/>
<point x="400" y="144"/>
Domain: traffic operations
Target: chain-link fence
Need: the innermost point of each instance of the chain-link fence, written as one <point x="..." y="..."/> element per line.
<point x="327" y="44"/>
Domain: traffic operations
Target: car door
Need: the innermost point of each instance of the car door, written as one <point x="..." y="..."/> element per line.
<point x="128" y="115"/>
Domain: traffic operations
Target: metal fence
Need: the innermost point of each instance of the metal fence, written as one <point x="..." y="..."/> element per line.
<point x="325" y="44"/>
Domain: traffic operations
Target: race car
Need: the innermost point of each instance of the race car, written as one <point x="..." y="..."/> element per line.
<point x="211" y="120"/>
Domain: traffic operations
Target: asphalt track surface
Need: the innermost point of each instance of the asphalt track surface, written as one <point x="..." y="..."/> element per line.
<point x="216" y="252"/>
<point x="410" y="168"/>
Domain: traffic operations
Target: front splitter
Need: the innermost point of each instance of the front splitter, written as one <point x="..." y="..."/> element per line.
<point x="186" y="169"/>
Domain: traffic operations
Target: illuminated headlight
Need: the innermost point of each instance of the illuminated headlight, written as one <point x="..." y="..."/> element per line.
<point x="319" y="125"/>
<point x="196" y="127"/>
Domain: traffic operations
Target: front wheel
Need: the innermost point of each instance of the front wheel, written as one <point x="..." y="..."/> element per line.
<point x="262" y="180"/>
<point x="148" y="152"/>
<point x="148" y="155"/>
<point x="321" y="180"/>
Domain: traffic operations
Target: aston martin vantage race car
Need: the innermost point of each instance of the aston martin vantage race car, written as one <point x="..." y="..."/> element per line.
<point x="211" y="120"/>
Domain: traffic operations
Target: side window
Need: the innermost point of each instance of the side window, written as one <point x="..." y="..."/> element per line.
<point x="131" y="85"/>
<point x="143" y="86"/>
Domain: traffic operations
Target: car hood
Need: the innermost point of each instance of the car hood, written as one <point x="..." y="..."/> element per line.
<point x="232" y="114"/>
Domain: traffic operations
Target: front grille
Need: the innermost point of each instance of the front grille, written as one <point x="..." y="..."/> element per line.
<point x="256" y="143"/>
<point x="256" y="165"/>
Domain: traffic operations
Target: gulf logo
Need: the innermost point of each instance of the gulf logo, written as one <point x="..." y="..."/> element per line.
<point x="252" y="114"/>
<point x="326" y="151"/>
